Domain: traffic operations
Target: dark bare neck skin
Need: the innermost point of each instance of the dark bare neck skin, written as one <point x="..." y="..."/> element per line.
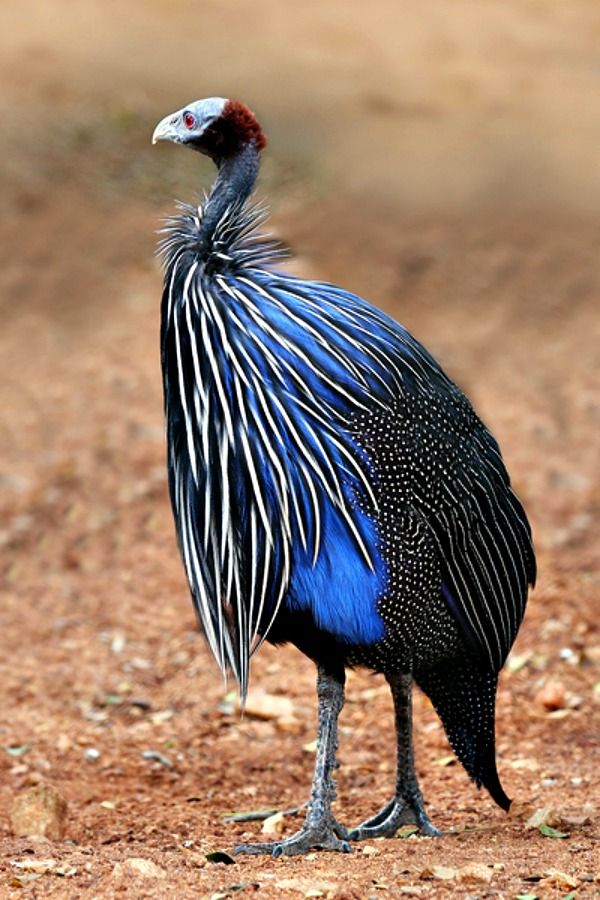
<point x="233" y="185"/>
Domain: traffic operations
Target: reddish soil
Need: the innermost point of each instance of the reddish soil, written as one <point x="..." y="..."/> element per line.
<point x="98" y="646"/>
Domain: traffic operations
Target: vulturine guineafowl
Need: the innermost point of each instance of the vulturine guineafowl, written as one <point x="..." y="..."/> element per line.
<point x="331" y="486"/>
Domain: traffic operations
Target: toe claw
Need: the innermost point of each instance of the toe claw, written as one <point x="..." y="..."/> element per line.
<point x="390" y="818"/>
<point x="318" y="836"/>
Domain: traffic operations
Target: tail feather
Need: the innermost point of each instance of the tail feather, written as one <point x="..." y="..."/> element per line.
<point x="464" y="697"/>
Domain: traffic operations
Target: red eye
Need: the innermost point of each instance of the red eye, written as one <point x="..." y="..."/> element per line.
<point x="189" y="120"/>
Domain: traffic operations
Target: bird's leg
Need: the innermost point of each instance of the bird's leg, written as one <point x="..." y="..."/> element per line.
<point x="406" y="807"/>
<point x="320" y="829"/>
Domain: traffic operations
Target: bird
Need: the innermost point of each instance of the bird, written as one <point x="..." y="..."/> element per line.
<point x="331" y="486"/>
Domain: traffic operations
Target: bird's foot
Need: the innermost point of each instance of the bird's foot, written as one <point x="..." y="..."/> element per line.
<point x="389" y="819"/>
<point x="324" y="834"/>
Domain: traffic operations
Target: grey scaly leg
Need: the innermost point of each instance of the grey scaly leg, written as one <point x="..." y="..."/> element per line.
<point x="406" y="808"/>
<point x="320" y="829"/>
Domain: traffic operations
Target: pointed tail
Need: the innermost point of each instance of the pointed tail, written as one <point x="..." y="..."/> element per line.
<point x="464" y="697"/>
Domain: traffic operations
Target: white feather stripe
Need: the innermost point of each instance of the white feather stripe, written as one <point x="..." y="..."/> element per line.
<point x="224" y="635"/>
<point x="334" y="495"/>
<point x="357" y="470"/>
<point x="269" y="358"/>
<point x="495" y="590"/>
<point x="521" y="576"/>
<point x="186" y="413"/>
<point x="187" y="282"/>
<point x="225" y="342"/>
<point x="241" y="402"/>
<point x="243" y="642"/>
<point x="357" y="536"/>
<point x="319" y="313"/>
<point x="324" y="454"/>
<point x="240" y="374"/>
<point x="352" y="312"/>
<point x="256" y="489"/>
<point x="208" y="523"/>
<point x="391" y="342"/>
<point x="205" y="421"/>
<point x="262" y="399"/>
<point x="256" y="373"/>
<point x="199" y="383"/>
<point x="253" y="574"/>
<point x="344" y="361"/>
<point x="283" y="475"/>
<point x="170" y="289"/>
<point x="207" y="343"/>
<point x="298" y="517"/>
<point x="481" y="593"/>
<point x="295" y="351"/>
<point x="316" y="511"/>
<point x="490" y="542"/>
<point x="226" y="530"/>
<point x="283" y="586"/>
<point x="458" y="576"/>
<point x="513" y="609"/>
<point x="196" y="578"/>
<point x="199" y="408"/>
<point x="266" y="565"/>
<point x="240" y="326"/>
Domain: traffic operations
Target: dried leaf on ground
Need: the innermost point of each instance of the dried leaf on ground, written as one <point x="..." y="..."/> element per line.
<point x="534" y="818"/>
<point x="39" y="866"/>
<point x="219" y="856"/>
<point x="547" y="831"/>
<point x="249" y="815"/>
<point x="475" y="872"/>
<point x="261" y="705"/>
<point x="274" y="824"/>
<point x="561" y="880"/>
<point x="440" y="873"/>
<point x="448" y="760"/>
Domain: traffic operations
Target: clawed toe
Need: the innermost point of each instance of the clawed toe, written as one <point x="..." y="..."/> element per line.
<point x="302" y="842"/>
<point x="389" y="819"/>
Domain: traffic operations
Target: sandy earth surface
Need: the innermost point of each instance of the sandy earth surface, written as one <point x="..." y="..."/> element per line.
<point x="489" y="256"/>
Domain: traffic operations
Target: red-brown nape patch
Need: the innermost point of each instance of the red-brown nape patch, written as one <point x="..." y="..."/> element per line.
<point x="243" y="123"/>
<point x="235" y="128"/>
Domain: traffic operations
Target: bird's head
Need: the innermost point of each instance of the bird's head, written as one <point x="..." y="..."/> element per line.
<point x="216" y="127"/>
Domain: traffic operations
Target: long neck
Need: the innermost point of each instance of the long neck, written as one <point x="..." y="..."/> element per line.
<point x="233" y="185"/>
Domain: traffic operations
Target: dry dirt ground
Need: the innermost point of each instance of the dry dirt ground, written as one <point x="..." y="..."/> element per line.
<point x="108" y="693"/>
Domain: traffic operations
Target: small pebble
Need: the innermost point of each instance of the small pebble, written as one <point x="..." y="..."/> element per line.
<point x="92" y="754"/>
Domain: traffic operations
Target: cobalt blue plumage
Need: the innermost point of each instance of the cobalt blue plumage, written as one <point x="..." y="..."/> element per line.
<point x="331" y="486"/>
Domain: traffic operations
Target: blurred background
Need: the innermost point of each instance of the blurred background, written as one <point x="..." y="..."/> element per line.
<point x="440" y="159"/>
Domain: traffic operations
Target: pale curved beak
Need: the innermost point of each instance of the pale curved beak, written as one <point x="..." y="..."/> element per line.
<point x="166" y="130"/>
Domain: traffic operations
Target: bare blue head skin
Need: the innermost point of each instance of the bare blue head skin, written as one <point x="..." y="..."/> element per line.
<point x="228" y="132"/>
<point x="190" y="124"/>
